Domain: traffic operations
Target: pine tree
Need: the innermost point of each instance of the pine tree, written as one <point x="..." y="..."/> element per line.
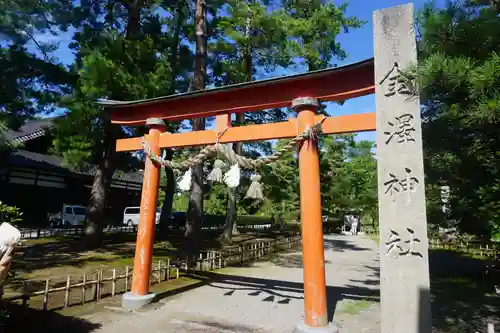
<point x="459" y="74"/>
<point x="131" y="63"/>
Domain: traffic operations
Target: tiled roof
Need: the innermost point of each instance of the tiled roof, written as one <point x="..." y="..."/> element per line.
<point x="25" y="158"/>
<point x="36" y="128"/>
<point x="32" y="129"/>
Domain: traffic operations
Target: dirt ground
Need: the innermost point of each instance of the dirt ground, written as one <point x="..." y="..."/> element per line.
<point x="55" y="258"/>
<point x="265" y="296"/>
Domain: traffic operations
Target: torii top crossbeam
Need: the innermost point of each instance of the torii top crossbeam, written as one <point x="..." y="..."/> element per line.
<point x="332" y="84"/>
<point x="302" y="92"/>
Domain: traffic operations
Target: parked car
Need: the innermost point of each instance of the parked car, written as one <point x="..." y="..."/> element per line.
<point x="131" y="216"/>
<point x="73" y="215"/>
<point x="69" y="216"/>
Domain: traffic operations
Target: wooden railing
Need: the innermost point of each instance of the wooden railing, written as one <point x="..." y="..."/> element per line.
<point x="91" y="287"/>
<point x="33" y="233"/>
<point x="109" y="282"/>
<point x="480" y="249"/>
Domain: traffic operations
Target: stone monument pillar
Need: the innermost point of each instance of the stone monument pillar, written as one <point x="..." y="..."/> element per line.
<point x="404" y="264"/>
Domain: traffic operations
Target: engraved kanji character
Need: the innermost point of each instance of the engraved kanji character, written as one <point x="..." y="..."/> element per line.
<point x="392" y="185"/>
<point x="393" y="242"/>
<point x="402" y="129"/>
<point x="408" y="183"/>
<point x="411" y="248"/>
<point x="395" y="81"/>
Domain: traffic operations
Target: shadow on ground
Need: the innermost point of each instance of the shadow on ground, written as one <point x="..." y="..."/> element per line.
<point x="341" y="245"/>
<point x="118" y="249"/>
<point x="294" y="260"/>
<point x="282" y="292"/>
<point x="288" y="260"/>
<point x="28" y="320"/>
<point x="462" y="301"/>
<point x="211" y="326"/>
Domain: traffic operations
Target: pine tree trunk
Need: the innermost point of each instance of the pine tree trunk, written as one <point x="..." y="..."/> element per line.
<point x="230" y="224"/>
<point x="134" y="8"/>
<point x="194" y="214"/>
<point x="166" y="210"/>
<point x="174" y="49"/>
<point x="230" y="227"/>
<point x="93" y="229"/>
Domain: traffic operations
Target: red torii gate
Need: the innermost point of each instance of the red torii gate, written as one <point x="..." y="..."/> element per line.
<point x="302" y="93"/>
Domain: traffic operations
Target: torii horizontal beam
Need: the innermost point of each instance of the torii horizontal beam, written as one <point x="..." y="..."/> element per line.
<point x="287" y="129"/>
<point x="334" y="84"/>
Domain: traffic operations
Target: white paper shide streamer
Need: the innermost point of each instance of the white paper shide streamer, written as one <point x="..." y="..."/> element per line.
<point x="185" y="182"/>
<point x="232" y="177"/>
<point x="216" y="174"/>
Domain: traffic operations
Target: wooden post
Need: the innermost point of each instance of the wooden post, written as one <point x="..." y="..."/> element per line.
<point x="84" y="285"/>
<point x="67" y="291"/>
<point x="46" y="295"/>
<point x="99" y="284"/>
<point x="25" y="293"/>
<point x="146" y="229"/>
<point x="159" y="271"/>
<point x="168" y="270"/>
<point x="315" y="313"/>
<point x="94" y="286"/>
<point x="113" y="283"/>
<point x="127" y="273"/>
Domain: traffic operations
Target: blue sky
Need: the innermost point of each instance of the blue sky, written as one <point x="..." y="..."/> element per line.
<point x="358" y="44"/>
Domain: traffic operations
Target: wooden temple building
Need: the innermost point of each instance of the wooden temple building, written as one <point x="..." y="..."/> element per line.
<point x="38" y="182"/>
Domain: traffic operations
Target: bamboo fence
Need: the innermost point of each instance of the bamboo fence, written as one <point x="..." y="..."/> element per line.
<point x="110" y="282"/>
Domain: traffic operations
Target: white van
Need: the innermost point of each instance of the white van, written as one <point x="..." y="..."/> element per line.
<point x="73" y="215"/>
<point x="131" y="216"/>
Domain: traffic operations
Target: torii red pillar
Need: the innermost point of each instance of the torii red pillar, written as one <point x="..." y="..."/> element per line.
<point x="139" y="294"/>
<point x="313" y="252"/>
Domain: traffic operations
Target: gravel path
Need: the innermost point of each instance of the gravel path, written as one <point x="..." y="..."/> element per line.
<point x="267" y="297"/>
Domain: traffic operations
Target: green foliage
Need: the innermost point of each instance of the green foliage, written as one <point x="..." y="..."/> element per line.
<point x="314" y="26"/>
<point x="10" y="214"/>
<point x="348" y="176"/>
<point x="128" y="50"/>
<point x="281" y="185"/>
<point x="4" y="140"/>
<point x="459" y="74"/>
<point x="181" y="202"/>
<point x="30" y="84"/>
